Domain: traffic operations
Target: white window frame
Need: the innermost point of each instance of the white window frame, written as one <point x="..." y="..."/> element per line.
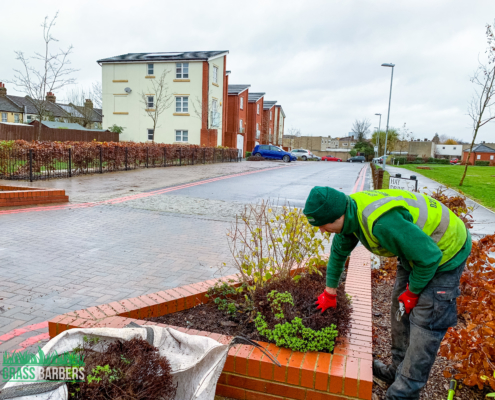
<point x="478" y="157"/>
<point x="150" y="100"/>
<point x="215" y="74"/>
<point x="181" y="70"/>
<point x="270" y="131"/>
<point x="257" y="126"/>
<point x="491" y="157"/>
<point x="181" y="104"/>
<point x="150" y="68"/>
<point x="179" y="133"/>
<point x="151" y="133"/>
<point x="258" y="109"/>
<point x="240" y="123"/>
<point x="4" y="117"/>
<point x="242" y="103"/>
<point x="29" y="118"/>
<point x="17" y="118"/>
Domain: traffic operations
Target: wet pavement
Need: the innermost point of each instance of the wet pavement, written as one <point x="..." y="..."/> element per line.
<point x="162" y="228"/>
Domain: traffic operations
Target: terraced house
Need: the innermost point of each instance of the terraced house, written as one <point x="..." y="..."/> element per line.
<point x="237" y="117"/>
<point x="191" y="106"/>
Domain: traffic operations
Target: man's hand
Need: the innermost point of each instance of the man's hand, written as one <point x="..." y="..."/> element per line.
<point x="327" y="300"/>
<point x="409" y="299"/>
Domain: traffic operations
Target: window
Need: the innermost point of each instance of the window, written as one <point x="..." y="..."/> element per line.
<point x="257" y="126"/>
<point x="478" y="157"/>
<point x="181" y="105"/>
<point x="240" y="123"/>
<point x="269" y="131"/>
<point x="345" y="144"/>
<point x="264" y="147"/>
<point x="4" y="117"/>
<point x="454" y="148"/>
<point x="29" y="118"/>
<point x="182" y="70"/>
<point x="96" y="125"/>
<point x="443" y="147"/>
<point x="151" y="101"/>
<point x="16" y="118"/>
<point x="181" y="136"/>
<point x="242" y="103"/>
<point x="151" y="134"/>
<point x="215" y="74"/>
<point x="151" y="69"/>
<point x="214" y="104"/>
<point x="491" y="157"/>
<point x="258" y="109"/>
<point x="270" y="115"/>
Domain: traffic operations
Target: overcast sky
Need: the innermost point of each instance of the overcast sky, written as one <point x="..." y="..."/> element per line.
<point x="320" y="60"/>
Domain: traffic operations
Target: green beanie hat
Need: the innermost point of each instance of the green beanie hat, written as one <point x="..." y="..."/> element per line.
<point x="324" y="205"/>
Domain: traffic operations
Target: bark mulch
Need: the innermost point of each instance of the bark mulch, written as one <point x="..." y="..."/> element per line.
<point x="207" y="317"/>
<point x="437" y="385"/>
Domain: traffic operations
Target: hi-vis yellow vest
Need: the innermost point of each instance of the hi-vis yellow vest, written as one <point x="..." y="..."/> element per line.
<point x="431" y="216"/>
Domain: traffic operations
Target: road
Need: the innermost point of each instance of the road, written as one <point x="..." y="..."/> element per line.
<point x="113" y="242"/>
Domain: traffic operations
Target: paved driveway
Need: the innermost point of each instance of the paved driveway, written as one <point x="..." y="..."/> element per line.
<point x="167" y="231"/>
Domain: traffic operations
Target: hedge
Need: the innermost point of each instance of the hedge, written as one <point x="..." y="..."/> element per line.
<point x="482" y="163"/>
<point x="248" y="154"/>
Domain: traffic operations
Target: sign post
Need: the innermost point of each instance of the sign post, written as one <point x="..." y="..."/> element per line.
<point x="397" y="182"/>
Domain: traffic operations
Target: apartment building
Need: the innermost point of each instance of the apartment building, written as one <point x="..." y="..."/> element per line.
<point x="279" y="124"/>
<point x="268" y="123"/>
<point x="255" y="119"/>
<point x="191" y="100"/>
<point x="237" y="117"/>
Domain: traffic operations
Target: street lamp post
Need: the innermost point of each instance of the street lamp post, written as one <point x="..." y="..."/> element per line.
<point x="388" y="115"/>
<point x="378" y="135"/>
<point x="376" y="130"/>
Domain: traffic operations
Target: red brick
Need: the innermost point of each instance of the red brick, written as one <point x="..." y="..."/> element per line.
<point x="113" y="322"/>
<point x="198" y="295"/>
<point x="260" y="396"/>
<point x="232" y="392"/>
<point x="180" y="296"/>
<point x="153" y="307"/>
<point x="84" y="314"/>
<point x="322" y="373"/>
<point x="161" y="304"/>
<point x="241" y="359"/>
<point x="312" y="395"/>
<point x="109" y="311"/>
<point x="283" y="357"/>
<point x="365" y="379"/>
<point x="53" y="324"/>
<point x="132" y="309"/>
<point x="289" y="392"/>
<point x="170" y="300"/>
<point x="230" y="362"/>
<point x="246" y="383"/>
<point x="119" y="308"/>
<point x="254" y="365"/>
<point x="294" y="368"/>
<point x="215" y="336"/>
<point x="143" y="308"/>
<point x="223" y="380"/>
<point x="336" y="374"/>
<point x="308" y="370"/>
<point x="351" y="377"/>
<point x="266" y="364"/>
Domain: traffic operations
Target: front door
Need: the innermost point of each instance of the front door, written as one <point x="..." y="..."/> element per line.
<point x="240" y="144"/>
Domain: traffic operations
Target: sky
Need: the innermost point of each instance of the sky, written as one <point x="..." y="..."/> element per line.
<point x="321" y="60"/>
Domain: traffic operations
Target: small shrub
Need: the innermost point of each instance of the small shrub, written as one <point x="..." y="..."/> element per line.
<point x="248" y="154"/>
<point x="482" y="163"/>
<point x="401" y="160"/>
<point x="256" y="158"/>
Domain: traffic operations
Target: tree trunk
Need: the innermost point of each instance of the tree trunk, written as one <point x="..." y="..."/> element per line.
<point x="39" y="129"/>
<point x="469" y="154"/>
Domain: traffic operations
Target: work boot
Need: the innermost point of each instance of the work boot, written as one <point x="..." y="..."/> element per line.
<point x="386" y="373"/>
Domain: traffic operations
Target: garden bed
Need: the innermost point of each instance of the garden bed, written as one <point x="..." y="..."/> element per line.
<point x="12" y="196"/>
<point x="208" y="317"/>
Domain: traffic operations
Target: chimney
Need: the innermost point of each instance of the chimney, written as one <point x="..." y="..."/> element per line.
<point x="88" y="104"/>
<point x="51" y="97"/>
<point x="3" y="90"/>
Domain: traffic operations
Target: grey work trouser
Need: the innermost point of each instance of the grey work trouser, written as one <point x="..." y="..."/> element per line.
<point x="417" y="336"/>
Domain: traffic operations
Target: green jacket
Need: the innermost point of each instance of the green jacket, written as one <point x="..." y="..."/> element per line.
<point x="398" y="234"/>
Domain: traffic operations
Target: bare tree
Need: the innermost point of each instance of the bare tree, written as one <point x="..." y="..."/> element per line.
<point x="209" y="114"/>
<point x="403" y="139"/>
<point x="361" y="128"/>
<point x="482" y="110"/>
<point x="96" y="94"/>
<point x="158" y="99"/>
<point x="53" y="72"/>
<point x="80" y="102"/>
<point x="293" y="133"/>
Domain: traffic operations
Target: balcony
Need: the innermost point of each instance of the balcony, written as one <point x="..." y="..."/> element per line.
<point x="215" y="119"/>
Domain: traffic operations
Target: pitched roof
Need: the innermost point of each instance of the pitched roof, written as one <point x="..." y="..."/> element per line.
<point x="237" y="89"/>
<point x="281" y="109"/>
<point x="166" y="56"/>
<point x="53" y="108"/>
<point x="481" y="148"/>
<point x="7" y="105"/>
<point x="68" y="125"/>
<point x="254" y="97"/>
<point x="23" y="101"/>
<point x="268" y="104"/>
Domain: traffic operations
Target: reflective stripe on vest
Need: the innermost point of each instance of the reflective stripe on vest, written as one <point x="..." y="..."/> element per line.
<point x="431" y="216"/>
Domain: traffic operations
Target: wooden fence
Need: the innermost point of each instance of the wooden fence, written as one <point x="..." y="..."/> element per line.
<point x="377" y="174"/>
<point x="30" y="133"/>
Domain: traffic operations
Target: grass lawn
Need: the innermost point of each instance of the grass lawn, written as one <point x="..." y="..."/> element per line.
<point x="479" y="183"/>
<point x="386" y="177"/>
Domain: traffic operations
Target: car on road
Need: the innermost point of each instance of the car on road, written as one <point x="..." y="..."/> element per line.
<point x="360" y="159"/>
<point x="303" y="154"/>
<point x="271" y="152"/>
<point x="454" y="161"/>
<point x="378" y="160"/>
<point x="331" y="158"/>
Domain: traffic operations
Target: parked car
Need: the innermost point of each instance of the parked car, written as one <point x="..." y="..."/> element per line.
<point x="317" y="158"/>
<point x="271" y="152"/>
<point x="360" y="159"/>
<point x="454" y="161"/>
<point x="378" y="160"/>
<point x="331" y="158"/>
<point x="303" y="154"/>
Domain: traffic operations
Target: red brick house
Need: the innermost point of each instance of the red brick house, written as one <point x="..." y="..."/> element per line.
<point x="237" y="116"/>
<point x="268" y="125"/>
<point x="479" y="153"/>
<point x="255" y="119"/>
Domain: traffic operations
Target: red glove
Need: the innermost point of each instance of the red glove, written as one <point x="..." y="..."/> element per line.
<point x="409" y="299"/>
<point x="325" y="301"/>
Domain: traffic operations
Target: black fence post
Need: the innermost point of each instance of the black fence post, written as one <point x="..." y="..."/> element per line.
<point x="180" y="156"/>
<point x="126" y="158"/>
<point x="204" y="155"/>
<point x="147" y="155"/>
<point x="101" y="163"/>
<point x="70" y="162"/>
<point x="30" y="165"/>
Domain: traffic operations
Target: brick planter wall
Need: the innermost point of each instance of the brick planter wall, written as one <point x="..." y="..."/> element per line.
<point x="12" y="196"/>
<point x="345" y="374"/>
